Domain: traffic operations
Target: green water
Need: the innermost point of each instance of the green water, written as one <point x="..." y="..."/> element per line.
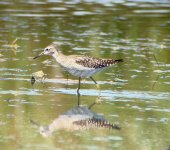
<point x="135" y="93"/>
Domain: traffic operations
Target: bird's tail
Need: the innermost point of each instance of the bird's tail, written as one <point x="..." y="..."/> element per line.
<point x="118" y="60"/>
<point x="109" y="62"/>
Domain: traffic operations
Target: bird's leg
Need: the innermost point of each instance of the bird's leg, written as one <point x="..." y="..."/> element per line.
<point x="93" y="80"/>
<point x="78" y="93"/>
<point x="90" y="106"/>
<point x="98" y="100"/>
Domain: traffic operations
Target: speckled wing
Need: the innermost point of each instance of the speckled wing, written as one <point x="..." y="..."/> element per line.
<point x="96" y="123"/>
<point x="92" y="62"/>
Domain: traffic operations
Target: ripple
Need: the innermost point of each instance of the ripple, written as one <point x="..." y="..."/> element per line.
<point x="13" y="69"/>
<point x="82" y="13"/>
<point x="110" y="95"/>
<point x="164" y="120"/>
<point x="71" y="82"/>
<point x="108" y="138"/>
<point x="158" y="109"/>
<point x="20" y="92"/>
<point x="152" y="11"/>
<point x="58" y="8"/>
<point x="36" y="15"/>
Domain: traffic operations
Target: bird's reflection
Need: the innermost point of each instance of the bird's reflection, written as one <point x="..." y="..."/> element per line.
<point x="77" y="118"/>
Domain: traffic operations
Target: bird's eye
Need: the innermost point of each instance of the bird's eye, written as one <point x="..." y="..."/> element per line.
<point x="47" y="49"/>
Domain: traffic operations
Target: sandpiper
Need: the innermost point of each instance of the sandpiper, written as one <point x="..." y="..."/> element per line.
<point x="82" y="66"/>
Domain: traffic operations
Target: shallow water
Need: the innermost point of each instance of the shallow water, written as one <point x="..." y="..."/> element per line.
<point x="135" y="93"/>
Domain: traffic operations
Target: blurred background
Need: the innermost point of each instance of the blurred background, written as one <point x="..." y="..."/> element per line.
<point x="135" y="93"/>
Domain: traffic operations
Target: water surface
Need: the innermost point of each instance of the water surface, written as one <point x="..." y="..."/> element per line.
<point x="135" y="93"/>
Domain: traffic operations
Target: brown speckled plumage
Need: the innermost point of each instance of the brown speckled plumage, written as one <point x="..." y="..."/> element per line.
<point x="95" y="122"/>
<point x="92" y="62"/>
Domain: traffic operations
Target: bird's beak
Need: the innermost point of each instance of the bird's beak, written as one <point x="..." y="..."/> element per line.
<point x="38" y="55"/>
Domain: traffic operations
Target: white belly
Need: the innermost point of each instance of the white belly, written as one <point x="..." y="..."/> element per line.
<point x="83" y="73"/>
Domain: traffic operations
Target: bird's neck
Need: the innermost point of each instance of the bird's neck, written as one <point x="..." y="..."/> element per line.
<point x="59" y="57"/>
<point x="56" y="55"/>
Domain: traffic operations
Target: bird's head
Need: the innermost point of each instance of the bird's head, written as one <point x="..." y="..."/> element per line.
<point x="51" y="50"/>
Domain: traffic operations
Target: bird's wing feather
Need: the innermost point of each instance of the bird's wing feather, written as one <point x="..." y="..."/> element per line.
<point x="92" y="62"/>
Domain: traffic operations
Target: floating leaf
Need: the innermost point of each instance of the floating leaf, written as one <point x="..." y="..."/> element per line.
<point x="39" y="75"/>
<point x="1" y="55"/>
<point x="13" y="46"/>
<point x="14" y="42"/>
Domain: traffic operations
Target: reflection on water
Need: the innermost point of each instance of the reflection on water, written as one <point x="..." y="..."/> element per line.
<point x="77" y="118"/>
<point x="135" y="94"/>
